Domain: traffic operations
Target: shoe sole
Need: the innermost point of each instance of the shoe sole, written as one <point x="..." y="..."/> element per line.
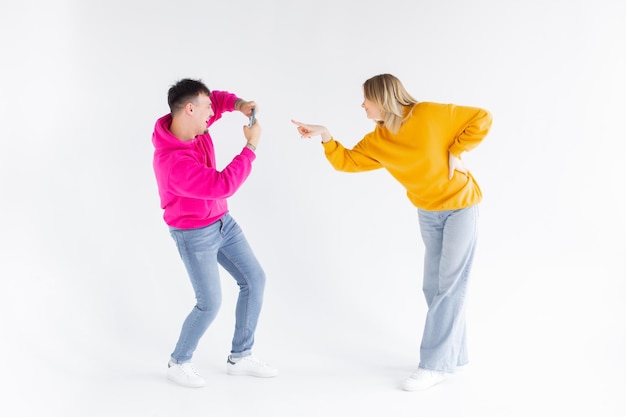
<point x="409" y="389"/>
<point x="185" y="385"/>
<point x="247" y="373"/>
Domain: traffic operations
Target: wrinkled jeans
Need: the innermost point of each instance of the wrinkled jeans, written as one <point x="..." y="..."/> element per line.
<point x="450" y="239"/>
<point x="201" y="250"/>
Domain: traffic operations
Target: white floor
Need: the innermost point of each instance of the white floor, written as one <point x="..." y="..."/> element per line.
<point x="544" y="341"/>
<point x="312" y="386"/>
<point x="348" y="380"/>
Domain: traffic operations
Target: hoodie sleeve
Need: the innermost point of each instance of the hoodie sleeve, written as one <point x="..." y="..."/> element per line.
<point x="189" y="178"/>
<point x="221" y="101"/>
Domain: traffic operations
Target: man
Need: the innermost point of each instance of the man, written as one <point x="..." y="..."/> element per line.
<point x="193" y="195"/>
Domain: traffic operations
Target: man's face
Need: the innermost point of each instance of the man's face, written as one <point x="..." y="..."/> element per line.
<point x="201" y="113"/>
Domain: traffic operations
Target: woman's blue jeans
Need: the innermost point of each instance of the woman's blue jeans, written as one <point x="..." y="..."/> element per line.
<point x="450" y="239"/>
<point x="201" y="250"/>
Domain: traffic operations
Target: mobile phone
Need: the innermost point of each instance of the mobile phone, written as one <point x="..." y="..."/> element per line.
<point x="252" y="118"/>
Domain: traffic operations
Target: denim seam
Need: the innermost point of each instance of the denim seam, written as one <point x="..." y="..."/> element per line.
<point x="247" y="305"/>
<point x="185" y="254"/>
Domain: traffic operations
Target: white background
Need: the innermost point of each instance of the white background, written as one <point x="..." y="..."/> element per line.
<point x="93" y="294"/>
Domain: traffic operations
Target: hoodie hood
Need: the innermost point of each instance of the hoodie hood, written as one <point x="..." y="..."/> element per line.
<point x="163" y="139"/>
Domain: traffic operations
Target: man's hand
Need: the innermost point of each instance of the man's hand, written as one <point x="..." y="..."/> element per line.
<point x="246" y="107"/>
<point x="253" y="134"/>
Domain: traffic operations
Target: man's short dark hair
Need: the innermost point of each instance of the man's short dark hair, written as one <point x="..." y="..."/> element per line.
<point x="184" y="91"/>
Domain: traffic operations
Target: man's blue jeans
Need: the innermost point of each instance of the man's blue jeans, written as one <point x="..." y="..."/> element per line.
<point x="201" y="250"/>
<point x="450" y="239"/>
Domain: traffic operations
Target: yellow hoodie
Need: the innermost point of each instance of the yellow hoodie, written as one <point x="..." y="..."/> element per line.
<point x="417" y="156"/>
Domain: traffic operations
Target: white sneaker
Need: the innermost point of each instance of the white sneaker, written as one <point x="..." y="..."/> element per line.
<point x="184" y="374"/>
<point x="249" y="366"/>
<point x="423" y="379"/>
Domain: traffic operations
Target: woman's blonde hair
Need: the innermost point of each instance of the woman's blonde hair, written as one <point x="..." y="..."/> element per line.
<point x="387" y="92"/>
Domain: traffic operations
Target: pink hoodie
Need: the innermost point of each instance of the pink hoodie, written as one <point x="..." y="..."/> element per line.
<point x="193" y="192"/>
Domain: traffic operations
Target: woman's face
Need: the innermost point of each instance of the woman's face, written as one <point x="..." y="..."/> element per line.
<point x="372" y="110"/>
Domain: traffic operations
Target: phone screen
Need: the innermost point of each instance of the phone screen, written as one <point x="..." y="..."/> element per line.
<point x="252" y="117"/>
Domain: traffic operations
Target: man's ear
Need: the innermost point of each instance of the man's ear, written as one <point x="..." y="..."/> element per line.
<point x="189" y="107"/>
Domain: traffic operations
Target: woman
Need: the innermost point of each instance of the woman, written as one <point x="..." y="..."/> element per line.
<point x="420" y="145"/>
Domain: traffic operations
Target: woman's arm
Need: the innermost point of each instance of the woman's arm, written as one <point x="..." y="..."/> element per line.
<point x="473" y="125"/>
<point x="341" y="159"/>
